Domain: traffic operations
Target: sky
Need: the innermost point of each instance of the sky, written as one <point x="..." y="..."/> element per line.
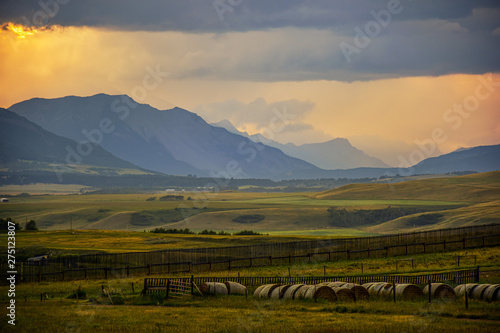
<point x="402" y="80"/>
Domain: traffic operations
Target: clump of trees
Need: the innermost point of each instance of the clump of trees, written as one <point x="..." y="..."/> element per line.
<point x="247" y="233"/>
<point x="172" y="197"/>
<point x="341" y="217"/>
<point x="171" y="231"/>
<point x="426" y="219"/>
<point x="31" y="225"/>
<point x="203" y="232"/>
<point x="4" y="224"/>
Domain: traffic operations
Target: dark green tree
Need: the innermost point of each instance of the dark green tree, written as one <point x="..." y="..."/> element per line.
<point x="31" y="225"/>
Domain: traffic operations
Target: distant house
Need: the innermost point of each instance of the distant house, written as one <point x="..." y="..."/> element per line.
<point x="4" y="200"/>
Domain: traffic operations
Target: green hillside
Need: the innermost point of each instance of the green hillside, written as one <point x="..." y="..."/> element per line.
<point x="482" y="187"/>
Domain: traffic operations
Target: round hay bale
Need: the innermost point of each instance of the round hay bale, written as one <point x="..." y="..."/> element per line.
<point x="323" y="284"/>
<point x="460" y="290"/>
<point x="301" y="292"/>
<point x="277" y="293"/>
<point x="359" y="291"/>
<point x="477" y="292"/>
<point x="470" y="288"/>
<point x="257" y="291"/>
<point x="441" y="291"/>
<point x="378" y="288"/>
<point x="290" y="292"/>
<point x="321" y="292"/>
<point x="408" y="291"/>
<point x="213" y="288"/>
<point x="267" y="290"/>
<point x="234" y="288"/>
<point x="492" y="293"/>
<point x="367" y="285"/>
<point x="344" y="294"/>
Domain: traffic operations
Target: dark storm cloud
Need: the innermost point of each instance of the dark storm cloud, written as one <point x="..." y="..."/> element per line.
<point x="239" y="15"/>
<point x="322" y="39"/>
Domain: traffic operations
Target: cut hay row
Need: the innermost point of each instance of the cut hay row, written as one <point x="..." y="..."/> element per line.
<point x="484" y="292"/>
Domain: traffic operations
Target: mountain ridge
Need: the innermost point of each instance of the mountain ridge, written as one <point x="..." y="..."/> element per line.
<point x="333" y="154"/>
<point x="173" y="141"/>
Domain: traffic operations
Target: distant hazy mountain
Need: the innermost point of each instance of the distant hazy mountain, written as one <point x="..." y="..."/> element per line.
<point x="480" y="159"/>
<point x="173" y="141"/>
<point x="334" y="154"/>
<point x="24" y="140"/>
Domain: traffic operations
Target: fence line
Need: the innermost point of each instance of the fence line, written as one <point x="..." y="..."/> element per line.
<point x="454" y="277"/>
<point x="28" y="274"/>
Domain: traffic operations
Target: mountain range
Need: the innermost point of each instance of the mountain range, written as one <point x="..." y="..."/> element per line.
<point x="330" y="155"/>
<point x="116" y="131"/>
<point x="24" y="140"/>
<point x="175" y="141"/>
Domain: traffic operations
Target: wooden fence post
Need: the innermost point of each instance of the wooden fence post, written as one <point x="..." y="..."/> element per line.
<point x="444" y="244"/>
<point x="464" y="243"/>
<point x="250" y="262"/>
<point x="105" y="272"/>
<point x="466" y="297"/>
<point x="483" y="241"/>
<point x="406" y="246"/>
<point x="62" y="275"/>
<point x="387" y="251"/>
<point x="394" y="290"/>
<point x="477" y="274"/>
<point x="229" y="264"/>
<point x="192" y="285"/>
<point x="368" y="252"/>
<point x="270" y="260"/>
<point x="348" y="254"/>
<point x="329" y="257"/>
<point x="430" y="293"/>
<point x="424" y="247"/>
<point x="289" y="259"/>
<point x="309" y="257"/>
<point x="149" y="269"/>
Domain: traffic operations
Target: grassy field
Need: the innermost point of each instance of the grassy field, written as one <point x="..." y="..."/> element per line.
<point x="92" y="241"/>
<point x="94" y="313"/>
<point x="480" y="187"/>
<point x="206" y="211"/>
<point x="304" y="213"/>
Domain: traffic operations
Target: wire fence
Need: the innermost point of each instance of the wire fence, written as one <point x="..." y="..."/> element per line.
<point x="53" y="271"/>
<point x="453" y="277"/>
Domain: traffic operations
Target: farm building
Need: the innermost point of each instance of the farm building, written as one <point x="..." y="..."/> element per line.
<point x="4" y="200"/>
<point x="38" y="260"/>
